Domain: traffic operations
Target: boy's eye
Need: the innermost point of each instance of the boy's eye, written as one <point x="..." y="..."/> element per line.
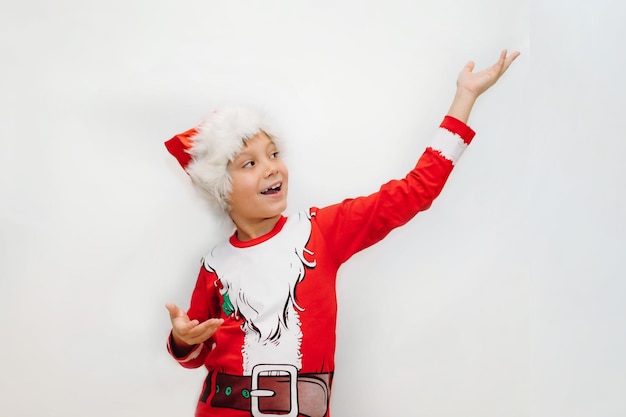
<point x="249" y="164"/>
<point x="274" y="155"/>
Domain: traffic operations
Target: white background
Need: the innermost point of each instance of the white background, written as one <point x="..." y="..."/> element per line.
<point x="505" y="299"/>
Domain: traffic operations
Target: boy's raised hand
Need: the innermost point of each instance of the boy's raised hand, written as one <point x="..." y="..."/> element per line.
<point x="188" y="332"/>
<point x="470" y="85"/>
<point x="476" y="83"/>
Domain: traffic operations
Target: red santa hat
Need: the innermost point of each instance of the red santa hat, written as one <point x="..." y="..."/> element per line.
<point x="205" y="150"/>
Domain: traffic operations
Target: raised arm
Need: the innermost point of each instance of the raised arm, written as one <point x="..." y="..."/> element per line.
<point x="358" y="223"/>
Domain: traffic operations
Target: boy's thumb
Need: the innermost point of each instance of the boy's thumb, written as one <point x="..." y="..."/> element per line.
<point x="173" y="309"/>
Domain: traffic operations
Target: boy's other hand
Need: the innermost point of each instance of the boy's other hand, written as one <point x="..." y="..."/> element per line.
<point x="476" y="83"/>
<point x="188" y="332"/>
<point x="470" y="85"/>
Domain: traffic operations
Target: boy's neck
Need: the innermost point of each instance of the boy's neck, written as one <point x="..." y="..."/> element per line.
<point x="248" y="230"/>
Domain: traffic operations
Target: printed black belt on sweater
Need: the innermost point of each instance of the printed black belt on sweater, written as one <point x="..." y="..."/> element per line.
<point x="274" y="389"/>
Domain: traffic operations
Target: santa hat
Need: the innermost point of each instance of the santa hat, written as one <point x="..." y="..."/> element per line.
<point x="205" y="150"/>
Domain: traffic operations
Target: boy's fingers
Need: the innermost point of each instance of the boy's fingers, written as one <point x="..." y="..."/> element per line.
<point x="510" y="60"/>
<point x="207" y="330"/>
<point x="192" y="331"/>
<point x="207" y="326"/>
<point x="173" y="309"/>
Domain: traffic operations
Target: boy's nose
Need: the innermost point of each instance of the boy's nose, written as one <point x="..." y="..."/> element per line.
<point x="271" y="168"/>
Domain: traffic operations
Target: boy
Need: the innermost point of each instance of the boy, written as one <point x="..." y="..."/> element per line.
<point x="263" y="312"/>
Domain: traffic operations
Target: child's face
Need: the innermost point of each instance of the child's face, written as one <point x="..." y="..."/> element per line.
<point x="259" y="179"/>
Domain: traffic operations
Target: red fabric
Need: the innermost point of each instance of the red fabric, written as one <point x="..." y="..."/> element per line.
<point x="179" y="144"/>
<point x="455" y="125"/>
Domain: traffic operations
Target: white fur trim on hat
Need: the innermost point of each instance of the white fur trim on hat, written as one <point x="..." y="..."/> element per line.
<point x="219" y="139"/>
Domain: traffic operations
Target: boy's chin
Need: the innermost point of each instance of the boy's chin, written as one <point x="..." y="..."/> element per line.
<point x="281" y="208"/>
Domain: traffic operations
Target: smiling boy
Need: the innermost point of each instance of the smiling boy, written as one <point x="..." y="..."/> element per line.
<point x="263" y="312"/>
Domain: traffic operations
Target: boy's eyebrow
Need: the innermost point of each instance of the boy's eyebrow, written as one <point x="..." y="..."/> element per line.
<point x="245" y="154"/>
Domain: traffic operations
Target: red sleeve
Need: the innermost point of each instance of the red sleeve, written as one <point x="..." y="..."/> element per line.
<point x="358" y="223"/>
<point x="204" y="305"/>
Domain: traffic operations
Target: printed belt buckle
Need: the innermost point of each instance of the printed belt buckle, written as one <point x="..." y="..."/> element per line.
<point x="255" y="392"/>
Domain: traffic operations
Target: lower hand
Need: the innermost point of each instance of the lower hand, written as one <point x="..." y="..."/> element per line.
<point x="188" y="332"/>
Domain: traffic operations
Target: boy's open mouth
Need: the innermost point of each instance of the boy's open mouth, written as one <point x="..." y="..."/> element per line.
<point x="272" y="190"/>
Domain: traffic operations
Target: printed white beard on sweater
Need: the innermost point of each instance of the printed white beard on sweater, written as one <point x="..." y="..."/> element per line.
<point x="260" y="283"/>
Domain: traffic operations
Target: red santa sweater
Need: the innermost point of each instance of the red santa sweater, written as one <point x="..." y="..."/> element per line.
<point x="274" y="354"/>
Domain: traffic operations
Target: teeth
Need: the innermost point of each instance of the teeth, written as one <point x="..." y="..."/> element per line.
<point x="277" y="186"/>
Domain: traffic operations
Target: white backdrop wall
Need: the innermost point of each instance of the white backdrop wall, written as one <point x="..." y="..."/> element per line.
<point x="503" y="299"/>
<point x="577" y="210"/>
